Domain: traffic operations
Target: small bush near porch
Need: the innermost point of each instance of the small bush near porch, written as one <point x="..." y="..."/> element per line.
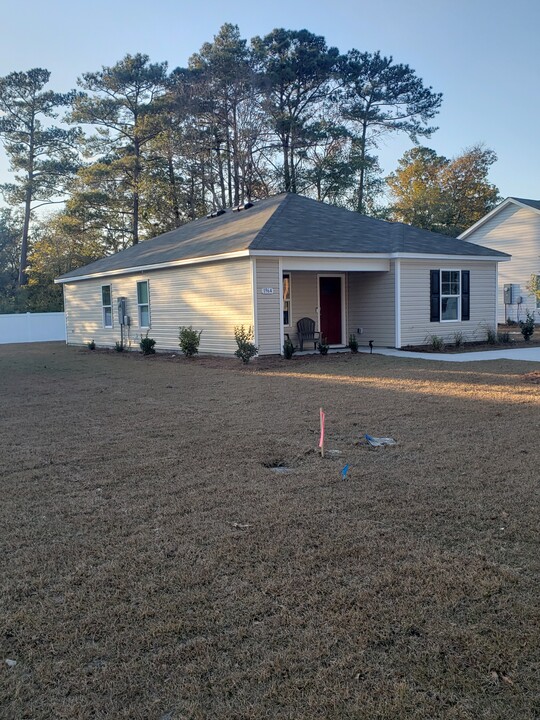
<point x="155" y="565"/>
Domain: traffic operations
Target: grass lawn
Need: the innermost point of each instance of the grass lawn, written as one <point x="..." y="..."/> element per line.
<point x="154" y="566"/>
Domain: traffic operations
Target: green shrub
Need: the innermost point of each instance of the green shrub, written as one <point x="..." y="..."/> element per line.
<point x="189" y="340"/>
<point x="118" y="346"/>
<point x="436" y="342"/>
<point x="504" y="337"/>
<point x="527" y="327"/>
<point x="323" y="347"/>
<point x="246" y="348"/>
<point x="459" y="339"/>
<point x="288" y="349"/>
<point x="91" y="345"/>
<point x="491" y="335"/>
<point x="353" y="343"/>
<point x="147" y="345"/>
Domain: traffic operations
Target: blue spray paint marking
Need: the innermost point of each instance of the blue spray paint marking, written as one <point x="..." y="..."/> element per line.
<point x="344" y="472"/>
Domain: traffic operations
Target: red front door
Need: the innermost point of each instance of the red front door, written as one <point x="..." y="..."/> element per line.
<point x="330" y="309"/>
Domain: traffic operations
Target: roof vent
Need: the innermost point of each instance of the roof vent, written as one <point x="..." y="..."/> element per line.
<point x="215" y="213"/>
<point x="245" y="206"/>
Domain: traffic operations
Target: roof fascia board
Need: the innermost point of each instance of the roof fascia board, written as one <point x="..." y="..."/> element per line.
<point x="308" y="254"/>
<point x="434" y="256"/>
<point x="276" y="253"/>
<point x="375" y="256"/>
<point x="156" y="266"/>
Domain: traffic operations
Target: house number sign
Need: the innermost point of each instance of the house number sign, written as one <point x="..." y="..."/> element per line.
<point x="267" y="291"/>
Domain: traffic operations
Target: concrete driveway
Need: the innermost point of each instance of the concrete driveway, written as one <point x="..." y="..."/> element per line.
<point x="531" y="354"/>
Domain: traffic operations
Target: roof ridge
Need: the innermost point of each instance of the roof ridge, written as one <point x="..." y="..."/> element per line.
<point x="271" y="220"/>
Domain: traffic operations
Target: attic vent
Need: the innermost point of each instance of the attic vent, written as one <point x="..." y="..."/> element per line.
<point x="215" y="213"/>
<point x="245" y="206"/>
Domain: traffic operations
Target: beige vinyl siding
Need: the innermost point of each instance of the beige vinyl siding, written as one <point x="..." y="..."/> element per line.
<point x="268" y="306"/>
<point x="415" y="301"/>
<point x="303" y="301"/>
<point x="213" y="297"/>
<point x="514" y="230"/>
<point x="371" y="307"/>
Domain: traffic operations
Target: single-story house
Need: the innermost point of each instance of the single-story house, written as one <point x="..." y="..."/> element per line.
<point x="281" y="259"/>
<point x="513" y="227"/>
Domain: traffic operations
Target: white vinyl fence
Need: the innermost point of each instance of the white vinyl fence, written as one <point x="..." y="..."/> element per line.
<point x="32" y="327"/>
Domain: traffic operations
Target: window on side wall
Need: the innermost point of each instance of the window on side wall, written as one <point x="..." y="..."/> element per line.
<point x="450" y="295"/>
<point x="143" y="304"/>
<point x="106" y="304"/>
<point x="287" y="315"/>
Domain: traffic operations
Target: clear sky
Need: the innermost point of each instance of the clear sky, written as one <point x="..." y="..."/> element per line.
<point x="483" y="55"/>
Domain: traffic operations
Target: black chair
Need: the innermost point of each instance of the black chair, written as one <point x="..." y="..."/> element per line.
<point x="306" y="331"/>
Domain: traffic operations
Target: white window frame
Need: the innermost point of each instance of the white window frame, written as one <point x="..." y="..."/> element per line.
<point x="287" y="300"/>
<point x="146" y="304"/>
<point x="104" y="307"/>
<point x="458" y="296"/>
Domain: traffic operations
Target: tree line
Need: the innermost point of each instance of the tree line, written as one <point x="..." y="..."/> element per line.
<point x="137" y="150"/>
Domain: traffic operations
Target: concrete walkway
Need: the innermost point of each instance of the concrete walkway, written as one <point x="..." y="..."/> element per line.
<point x="530" y="354"/>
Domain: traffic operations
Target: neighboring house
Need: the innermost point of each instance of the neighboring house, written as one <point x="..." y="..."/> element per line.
<point x="279" y="260"/>
<point x="513" y="227"/>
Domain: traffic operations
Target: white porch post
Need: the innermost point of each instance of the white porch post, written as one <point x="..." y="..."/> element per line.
<point x="254" y="296"/>
<point x="397" y="301"/>
<point x="280" y="290"/>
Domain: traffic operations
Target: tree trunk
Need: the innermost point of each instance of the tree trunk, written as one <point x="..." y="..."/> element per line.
<point x="236" y="159"/>
<point x="136" y="175"/>
<point x="286" y="171"/>
<point x="174" y="191"/>
<point x="23" y="278"/>
<point x="220" y="174"/>
<point x="360" y="207"/>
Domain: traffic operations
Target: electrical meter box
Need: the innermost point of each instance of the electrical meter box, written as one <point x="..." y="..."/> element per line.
<point x="508" y="294"/>
<point x="122" y="310"/>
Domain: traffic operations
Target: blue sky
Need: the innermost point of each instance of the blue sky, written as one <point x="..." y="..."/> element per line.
<point x="481" y="54"/>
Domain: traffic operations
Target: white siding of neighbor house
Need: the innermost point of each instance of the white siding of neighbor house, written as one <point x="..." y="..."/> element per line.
<point x="268" y="306"/>
<point x="514" y="230"/>
<point x="212" y="297"/>
<point x="415" y="301"/>
<point x="371" y="307"/>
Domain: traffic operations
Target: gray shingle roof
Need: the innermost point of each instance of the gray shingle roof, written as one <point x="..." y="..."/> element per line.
<point x="283" y="223"/>
<point x="532" y="203"/>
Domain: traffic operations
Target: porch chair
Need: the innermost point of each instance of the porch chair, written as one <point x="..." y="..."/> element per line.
<point x="306" y="331"/>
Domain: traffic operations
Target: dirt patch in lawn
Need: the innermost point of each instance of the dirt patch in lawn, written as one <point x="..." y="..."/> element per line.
<point x="155" y="564"/>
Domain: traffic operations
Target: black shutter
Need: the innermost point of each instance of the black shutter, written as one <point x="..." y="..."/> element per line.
<point x="435" y="296"/>
<point x="465" y="295"/>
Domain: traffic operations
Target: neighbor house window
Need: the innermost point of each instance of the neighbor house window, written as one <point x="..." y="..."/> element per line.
<point x="143" y="304"/>
<point x="106" y="303"/>
<point x="450" y="294"/>
<point x="287" y="299"/>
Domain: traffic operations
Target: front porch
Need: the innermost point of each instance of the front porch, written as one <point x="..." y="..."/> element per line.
<point x="341" y="303"/>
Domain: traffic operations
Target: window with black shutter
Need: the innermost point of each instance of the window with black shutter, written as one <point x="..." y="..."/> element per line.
<point x="449" y="295"/>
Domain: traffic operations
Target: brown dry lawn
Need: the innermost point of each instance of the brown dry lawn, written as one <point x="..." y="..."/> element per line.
<point x="153" y="566"/>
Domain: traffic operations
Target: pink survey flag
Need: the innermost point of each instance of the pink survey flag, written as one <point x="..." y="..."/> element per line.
<point x="321" y="441"/>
